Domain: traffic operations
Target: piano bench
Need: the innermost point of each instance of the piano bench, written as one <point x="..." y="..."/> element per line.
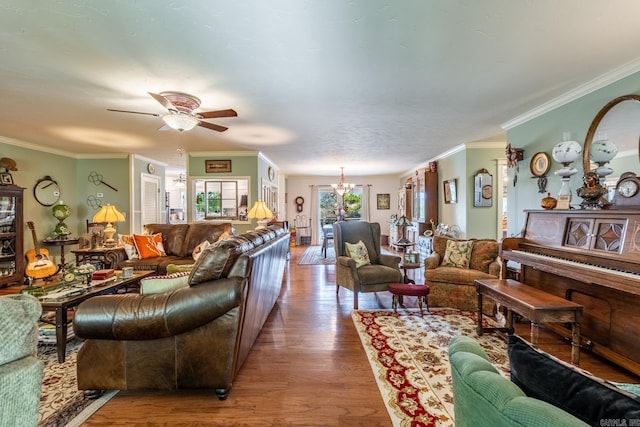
<point x="535" y="305"/>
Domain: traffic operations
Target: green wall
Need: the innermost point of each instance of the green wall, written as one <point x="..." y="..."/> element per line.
<point x="462" y="165"/>
<point x="543" y="132"/>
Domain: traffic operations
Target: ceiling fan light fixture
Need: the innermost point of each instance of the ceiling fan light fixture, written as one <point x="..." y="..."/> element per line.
<point x="180" y="122"/>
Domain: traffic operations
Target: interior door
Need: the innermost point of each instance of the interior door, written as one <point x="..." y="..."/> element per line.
<point x="150" y="202"/>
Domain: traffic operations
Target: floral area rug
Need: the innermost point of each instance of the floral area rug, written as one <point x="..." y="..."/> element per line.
<point x="61" y="403"/>
<point x="409" y="357"/>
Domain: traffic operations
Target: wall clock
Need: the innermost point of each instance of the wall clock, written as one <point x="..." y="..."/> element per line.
<point x="46" y="191"/>
<point x="299" y="203"/>
<point x="151" y="168"/>
<point x="272" y="173"/>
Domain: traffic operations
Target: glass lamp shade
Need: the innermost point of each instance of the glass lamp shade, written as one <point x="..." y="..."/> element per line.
<point x="109" y="214"/>
<point x="602" y="151"/>
<point x="261" y="212"/>
<point x="180" y="122"/>
<point x="567" y="152"/>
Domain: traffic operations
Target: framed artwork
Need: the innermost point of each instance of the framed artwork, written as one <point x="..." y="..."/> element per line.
<point x="217" y="166"/>
<point x="6" y="179"/>
<point x="411" y="259"/>
<point x="384" y="201"/>
<point x="450" y="191"/>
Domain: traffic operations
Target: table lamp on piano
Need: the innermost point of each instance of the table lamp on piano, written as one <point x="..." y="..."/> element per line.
<point x="566" y="152"/>
<point x="109" y="214"/>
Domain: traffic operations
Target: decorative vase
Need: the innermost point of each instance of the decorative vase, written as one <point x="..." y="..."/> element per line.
<point x="548" y="202"/>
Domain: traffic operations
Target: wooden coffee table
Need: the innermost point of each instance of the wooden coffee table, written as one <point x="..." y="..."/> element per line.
<point x="534" y="304"/>
<point x="62" y="305"/>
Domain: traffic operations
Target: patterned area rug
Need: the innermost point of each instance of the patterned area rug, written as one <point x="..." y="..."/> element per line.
<point x="409" y="357"/>
<point x="313" y="256"/>
<point x="61" y="403"/>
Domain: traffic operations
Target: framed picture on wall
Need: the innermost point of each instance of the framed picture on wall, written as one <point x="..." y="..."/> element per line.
<point x="383" y="201"/>
<point x="450" y="191"/>
<point x="217" y="166"/>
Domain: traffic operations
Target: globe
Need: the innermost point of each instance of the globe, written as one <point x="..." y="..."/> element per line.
<point x="566" y="152"/>
<point x="602" y="151"/>
<point x="61" y="212"/>
<point x="61" y="230"/>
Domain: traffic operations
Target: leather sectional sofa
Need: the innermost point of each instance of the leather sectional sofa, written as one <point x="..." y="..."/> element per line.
<point x="195" y="337"/>
<point x="179" y="241"/>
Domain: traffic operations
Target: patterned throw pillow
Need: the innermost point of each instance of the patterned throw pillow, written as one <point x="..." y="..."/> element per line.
<point x="458" y="253"/>
<point x="198" y="249"/>
<point x="149" y="246"/>
<point x="126" y="241"/>
<point x="162" y="284"/>
<point x="358" y="252"/>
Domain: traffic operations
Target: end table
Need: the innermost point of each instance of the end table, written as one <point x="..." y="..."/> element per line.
<point x="101" y="257"/>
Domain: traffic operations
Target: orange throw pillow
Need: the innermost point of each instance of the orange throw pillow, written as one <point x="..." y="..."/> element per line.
<point x="149" y="246"/>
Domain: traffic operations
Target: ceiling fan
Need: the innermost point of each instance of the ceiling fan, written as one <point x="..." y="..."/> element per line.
<point x="181" y="116"/>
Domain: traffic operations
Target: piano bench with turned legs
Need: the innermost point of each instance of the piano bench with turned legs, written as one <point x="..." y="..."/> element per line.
<point x="534" y="304"/>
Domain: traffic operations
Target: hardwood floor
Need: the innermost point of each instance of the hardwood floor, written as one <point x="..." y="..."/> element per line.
<point x="307" y="367"/>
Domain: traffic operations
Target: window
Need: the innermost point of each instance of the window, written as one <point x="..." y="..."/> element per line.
<point x="221" y="199"/>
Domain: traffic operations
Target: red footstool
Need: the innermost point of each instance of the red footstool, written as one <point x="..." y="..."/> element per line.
<point x="406" y="289"/>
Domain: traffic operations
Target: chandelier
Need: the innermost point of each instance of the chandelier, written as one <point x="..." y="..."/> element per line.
<point x="342" y="188"/>
<point x="180" y="181"/>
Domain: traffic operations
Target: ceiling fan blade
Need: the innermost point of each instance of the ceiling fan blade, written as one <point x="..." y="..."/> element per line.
<point x="162" y="100"/>
<point x="212" y="126"/>
<point x="134" y="112"/>
<point x="218" y="113"/>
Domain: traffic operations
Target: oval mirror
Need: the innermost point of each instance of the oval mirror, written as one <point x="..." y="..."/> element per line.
<point x="619" y="122"/>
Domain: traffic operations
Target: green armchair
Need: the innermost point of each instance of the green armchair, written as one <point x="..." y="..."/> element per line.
<point x="20" y="370"/>
<point x="373" y="277"/>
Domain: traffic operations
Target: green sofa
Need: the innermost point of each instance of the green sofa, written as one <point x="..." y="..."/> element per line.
<point x="483" y="397"/>
<point x="20" y="370"/>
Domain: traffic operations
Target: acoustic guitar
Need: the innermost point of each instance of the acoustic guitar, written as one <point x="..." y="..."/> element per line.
<point x="38" y="263"/>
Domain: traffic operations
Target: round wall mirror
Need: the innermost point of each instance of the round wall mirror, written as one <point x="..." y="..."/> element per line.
<point x="618" y="121"/>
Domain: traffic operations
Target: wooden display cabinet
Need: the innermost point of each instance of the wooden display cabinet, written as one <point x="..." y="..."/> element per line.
<point x="11" y="235"/>
<point x="425" y="199"/>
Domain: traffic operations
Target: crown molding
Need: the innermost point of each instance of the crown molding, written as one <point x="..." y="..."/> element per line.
<point x="582" y="90"/>
<point x="35" y="147"/>
<point x="222" y="153"/>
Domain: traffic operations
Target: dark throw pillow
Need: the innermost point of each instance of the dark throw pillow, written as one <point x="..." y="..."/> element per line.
<point x="586" y="397"/>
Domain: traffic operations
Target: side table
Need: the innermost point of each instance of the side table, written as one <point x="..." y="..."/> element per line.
<point x="101" y="257"/>
<point x="62" y="243"/>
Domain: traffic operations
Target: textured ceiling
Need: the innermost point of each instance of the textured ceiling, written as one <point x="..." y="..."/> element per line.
<point x="376" y="86"/>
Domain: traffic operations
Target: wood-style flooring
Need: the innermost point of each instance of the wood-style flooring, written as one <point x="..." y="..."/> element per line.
<point x="307" y="367"/>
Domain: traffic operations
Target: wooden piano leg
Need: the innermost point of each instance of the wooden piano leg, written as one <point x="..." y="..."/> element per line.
<point x="575" y="343"/>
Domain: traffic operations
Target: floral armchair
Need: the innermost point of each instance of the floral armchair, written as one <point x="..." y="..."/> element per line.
<point x="451" y="270"/>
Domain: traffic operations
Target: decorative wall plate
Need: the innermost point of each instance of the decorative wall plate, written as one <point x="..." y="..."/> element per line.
<point x="540" y="164"/>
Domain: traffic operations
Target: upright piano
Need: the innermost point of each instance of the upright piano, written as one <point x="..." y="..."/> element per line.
<point x="591" y="257"/>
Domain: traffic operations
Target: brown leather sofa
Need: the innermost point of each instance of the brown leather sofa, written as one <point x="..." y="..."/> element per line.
<point x="195" y="337"/>
<point x="179" y="241"/>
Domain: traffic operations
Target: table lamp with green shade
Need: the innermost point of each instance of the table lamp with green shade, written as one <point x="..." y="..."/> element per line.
<point x="109" y="214"/>
<point x="261" y="212"/>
